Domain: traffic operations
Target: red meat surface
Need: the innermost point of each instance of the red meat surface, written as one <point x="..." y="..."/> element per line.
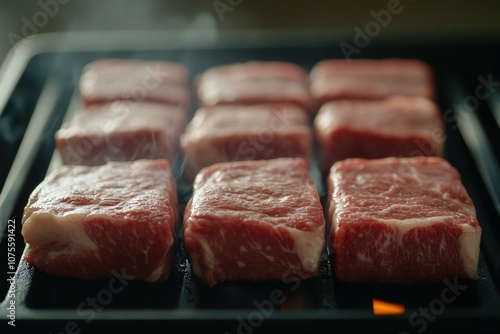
<point x="336" y="79"/>
<point x="401" y="126"/>
<point x="401" y="220"/>
<point x="255" y="82"/>
<point x="107" y="80"/>
<point x="121" y="131"/>
<point x="93" y="222"/>
<point x="236" y="133"/>
<point x="254" y="221"/>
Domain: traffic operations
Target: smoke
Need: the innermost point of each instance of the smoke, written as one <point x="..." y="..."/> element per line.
<point x="131" y="15"/>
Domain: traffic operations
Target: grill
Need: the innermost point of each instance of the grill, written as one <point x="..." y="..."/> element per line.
<point x="39" y="90"/>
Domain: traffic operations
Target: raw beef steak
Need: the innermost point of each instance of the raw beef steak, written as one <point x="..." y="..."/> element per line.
<point x="255" y="221"/>
<point x="401" y="220"/>
<point x="255" y="82"/>
<point x="121" y="132"/>
<point x="236" y="133"/>
<point x="401" y="126"/>
<point x="107" y="80"/>
<point x="371" y="79"/>
<point x="93" y="222"/>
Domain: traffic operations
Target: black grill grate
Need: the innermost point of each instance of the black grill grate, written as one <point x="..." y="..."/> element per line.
<point x="45" y="303"/>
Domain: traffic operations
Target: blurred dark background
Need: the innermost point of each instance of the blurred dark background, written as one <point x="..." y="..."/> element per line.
<point x="456" y="19"/>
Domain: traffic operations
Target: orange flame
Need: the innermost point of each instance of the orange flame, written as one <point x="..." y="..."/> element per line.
<point x="381" y="307"/>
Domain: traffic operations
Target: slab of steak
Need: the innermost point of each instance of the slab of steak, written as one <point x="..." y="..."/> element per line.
<point x="255" y="82"/>
<point x="254" y="221"/>
<point x="336" y="79"/>
<point x="401" y="126"/>
<point x="401" y="220"/>
<point x="121" y="131"/>
<point x="237" y="133"/>
<point x="97" y="222"/>
<point x="107" y="80"/>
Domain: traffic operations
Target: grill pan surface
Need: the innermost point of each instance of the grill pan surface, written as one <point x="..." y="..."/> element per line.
<point x="42" y="92"/>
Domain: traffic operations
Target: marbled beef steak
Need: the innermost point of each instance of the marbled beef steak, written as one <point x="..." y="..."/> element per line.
<point x="236" y="133"/>
<point x="401" y="220"/>
<point x="254" y="220"/>
<point x="255" y="82"/>
<point x="113" y="79"/>
<point x="121" y="131"/>
<point x="95" y="222"/>
<point x="399" y="126"/>
<point x="336" y="79"/>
